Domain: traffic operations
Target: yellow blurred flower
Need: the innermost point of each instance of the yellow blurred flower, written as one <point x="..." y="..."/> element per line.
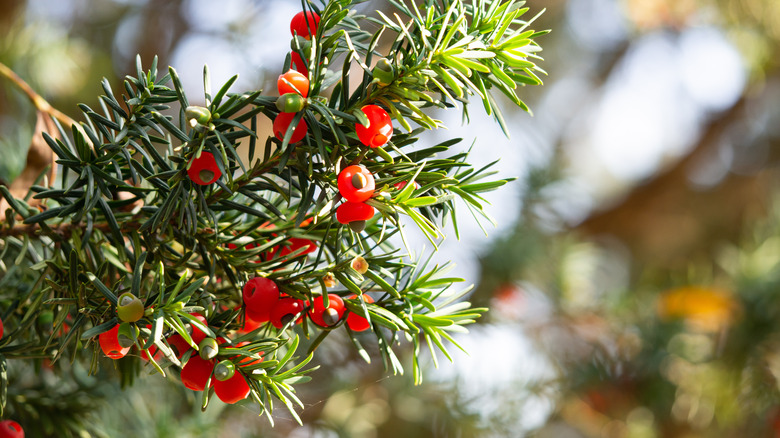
<point x="703" y="308"/>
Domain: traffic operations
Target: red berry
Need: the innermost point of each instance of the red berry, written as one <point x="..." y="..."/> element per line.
<point x="260" y="295"/>
<point x="196" y="372"/>
<point x="259" y="317"/>
<point x="178" y="344"/>
<point x="204" y="170"/>
<point x="286" y="309"/>
<point x="282" y="122"/>
<point x="355" y="321"/>
<point x="326" y="317"/>
<point x="11" y="429"/>
<point x="250" y="323"/>
<point x="297" y="63"/>
<point x="354" y="211"/>
<point x="233" y="389"/>
<point x="304" y="24"/>
<point x="109" y="343"/>
<point x="293" y="82"/>
<point x="2" y="329"/>
<point x="380" y="127"/>
<point x="296" y="243"/>
<point x="242" y="247"/>
<point x="356" y="184"/>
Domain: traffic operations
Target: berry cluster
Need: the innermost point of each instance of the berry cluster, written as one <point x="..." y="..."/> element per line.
<point x="282" y="230"/>
<point x="262" y="300"/>
<point x="207" y="359"/>
<point x="356" y="185"/>
<point x="379" y="129"/>
<point x="264" y="303"/>
<point x="293" y="89"/>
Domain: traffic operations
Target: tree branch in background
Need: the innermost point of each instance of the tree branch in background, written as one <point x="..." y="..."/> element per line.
<point x="40" y="159"/>
<point x="40" y="103"/>
<point x="40" y="156"/>
<point x="666" y="218"/>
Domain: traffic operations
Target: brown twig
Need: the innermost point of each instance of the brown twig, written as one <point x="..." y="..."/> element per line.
<point x="40" y="103"/>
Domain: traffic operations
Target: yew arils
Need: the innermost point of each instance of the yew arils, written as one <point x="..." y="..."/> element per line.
<point x="304" y="24"/>
<point x="293" y="82"/>
<point x="196" y="372"/>
<point x="327" y="316"/>
<point x="379" y="129"/>
<point x="11" y="429"/>
<point x="109" y="343"/>
<point x="204" y="170"/>
<point x="355" y="214"/>
<point x="355" y="321"/>
<point x="260" y="296"/>
<point x="285" y="310"/>
<point x="356" y="184"/>
<point x="282" y="123"/>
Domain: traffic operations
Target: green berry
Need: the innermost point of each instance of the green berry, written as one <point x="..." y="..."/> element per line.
<point x="127" y="334"/>
<point x="129" y="308"/>
<point x="198" y="114"/>
<point x="46" y="318"/>
<point x="299" y="41"/>
<point x="383" y="72"/>
<point x="290" y="103"/>
<point x="224" y="370"/>
<point x="208" y="348"/>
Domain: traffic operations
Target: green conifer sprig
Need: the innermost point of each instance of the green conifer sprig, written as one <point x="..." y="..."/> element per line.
<point x="124" y="215"/>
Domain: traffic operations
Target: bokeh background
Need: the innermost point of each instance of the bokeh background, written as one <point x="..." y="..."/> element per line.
<point x="632" y="273"/>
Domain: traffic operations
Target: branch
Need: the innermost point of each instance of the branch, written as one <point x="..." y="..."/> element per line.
<point x="653" y="216"/>
<point x="39" y="102"/>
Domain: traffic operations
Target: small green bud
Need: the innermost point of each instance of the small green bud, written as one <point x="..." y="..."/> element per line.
<point x="208" y="349"/>
<point x="197" y="115"/>
<point x="383" y="72"/>
<point x="127" y="334"/>
<point x="299" y="41"/>
<point x="290" y="103"/>
<point x="224" y="370"/>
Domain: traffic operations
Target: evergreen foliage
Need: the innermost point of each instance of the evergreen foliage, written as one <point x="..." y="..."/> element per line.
<point x="124" y="216"/>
